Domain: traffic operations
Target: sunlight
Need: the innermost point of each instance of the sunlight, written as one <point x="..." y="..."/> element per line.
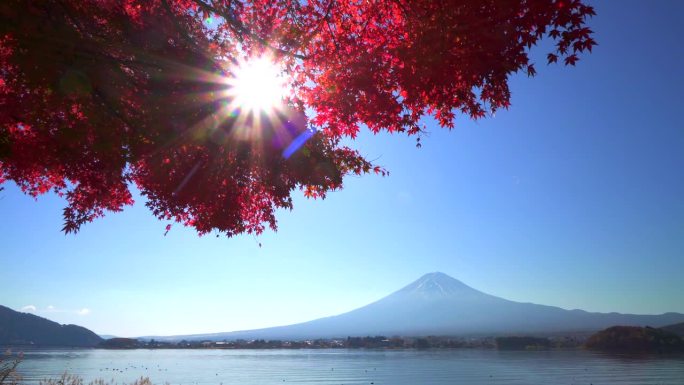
<point x="257" y="86"/>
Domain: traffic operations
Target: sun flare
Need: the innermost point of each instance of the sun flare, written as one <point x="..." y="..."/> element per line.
<point x="257" y="86"/>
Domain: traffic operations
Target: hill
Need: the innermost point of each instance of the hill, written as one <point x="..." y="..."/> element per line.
<point x="27" y="329"/>
<point x="635" y="339"/>
<point x="120" y="343"/>
<point x="437" y="304"/>
<point x="677" y="329"/>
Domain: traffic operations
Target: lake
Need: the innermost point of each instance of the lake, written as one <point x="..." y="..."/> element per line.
<point x="338" y="366"/>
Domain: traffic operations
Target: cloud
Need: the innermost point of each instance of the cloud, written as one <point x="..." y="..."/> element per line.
<point x="84" y="311"/>
<point x="53" y="309"/>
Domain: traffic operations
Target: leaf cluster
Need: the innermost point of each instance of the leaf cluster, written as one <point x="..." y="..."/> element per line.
<point x="99" y="96"/>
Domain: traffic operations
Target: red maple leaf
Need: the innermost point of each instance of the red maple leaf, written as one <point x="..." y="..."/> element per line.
<point x="101" y="95"/>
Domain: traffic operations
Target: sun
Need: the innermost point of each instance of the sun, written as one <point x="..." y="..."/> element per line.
<point x="257" y="86"/>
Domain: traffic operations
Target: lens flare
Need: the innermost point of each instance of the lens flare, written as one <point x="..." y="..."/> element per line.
<point x="257" y="86"/>
<point x="254" y="103"/>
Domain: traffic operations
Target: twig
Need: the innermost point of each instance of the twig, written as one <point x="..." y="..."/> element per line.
<point x="242" y="30"/>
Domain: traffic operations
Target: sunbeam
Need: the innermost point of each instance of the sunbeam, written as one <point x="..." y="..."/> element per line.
<point x="257" y="86"/>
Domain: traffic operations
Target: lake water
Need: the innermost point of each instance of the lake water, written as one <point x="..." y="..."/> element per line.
<point x="404" y="367"/>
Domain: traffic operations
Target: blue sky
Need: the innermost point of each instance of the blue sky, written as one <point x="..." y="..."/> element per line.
<point x="574" y="198"/>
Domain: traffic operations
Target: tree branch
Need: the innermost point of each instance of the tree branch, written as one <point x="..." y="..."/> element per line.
<point x="187" y="36"/>
<point x="241" y="30"/>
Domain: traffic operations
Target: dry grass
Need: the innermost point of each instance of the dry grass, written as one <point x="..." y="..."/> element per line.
<point x="10" y="376"/>
<point x="69" y="379"/>
<point x="8" y="368"/>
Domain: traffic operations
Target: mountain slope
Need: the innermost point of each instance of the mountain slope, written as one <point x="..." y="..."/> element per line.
<point x="437" y="304"/>
<point x="22" y="328"/>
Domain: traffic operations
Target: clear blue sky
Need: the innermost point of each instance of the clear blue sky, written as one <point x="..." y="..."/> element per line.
<point x="574" y="198"/>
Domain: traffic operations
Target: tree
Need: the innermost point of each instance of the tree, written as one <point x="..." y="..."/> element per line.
<point x="98" y="96"/>
<point x="635" y="339"/>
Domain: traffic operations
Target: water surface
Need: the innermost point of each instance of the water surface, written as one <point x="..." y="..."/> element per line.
<point x="403" y="367"/>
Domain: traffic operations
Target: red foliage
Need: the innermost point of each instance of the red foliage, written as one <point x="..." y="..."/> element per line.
<point x="96" y="95"/>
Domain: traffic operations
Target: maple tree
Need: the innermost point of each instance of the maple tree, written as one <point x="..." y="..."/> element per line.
<point x="97" y="96"/>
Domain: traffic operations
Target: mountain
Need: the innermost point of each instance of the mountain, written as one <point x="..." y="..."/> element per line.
<point x="22" y="328"/>
<point x="437" y="304"/>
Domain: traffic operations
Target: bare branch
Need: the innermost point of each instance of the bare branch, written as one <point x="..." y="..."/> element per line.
<point x="242" y="30"/>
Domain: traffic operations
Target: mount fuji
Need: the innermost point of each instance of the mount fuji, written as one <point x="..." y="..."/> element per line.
<point x="437" y="304"/>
